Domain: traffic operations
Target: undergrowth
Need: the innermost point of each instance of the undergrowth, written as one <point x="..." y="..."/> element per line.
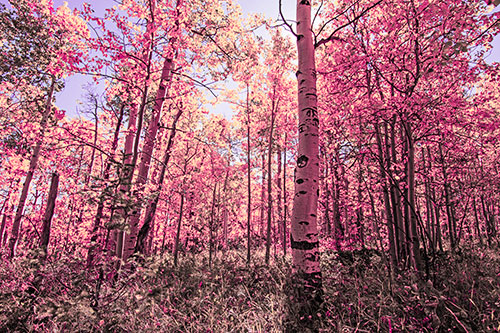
<point x="359" y="295"/>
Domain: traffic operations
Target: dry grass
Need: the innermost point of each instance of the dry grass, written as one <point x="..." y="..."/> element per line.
<point x="231" y="297"/>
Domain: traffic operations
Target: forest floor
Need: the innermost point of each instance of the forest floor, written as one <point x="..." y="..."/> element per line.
<point x="462" y="295"/>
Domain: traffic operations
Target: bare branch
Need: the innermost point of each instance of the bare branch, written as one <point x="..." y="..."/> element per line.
<point x="357" y="17"/>
<point x="286" y="23"/>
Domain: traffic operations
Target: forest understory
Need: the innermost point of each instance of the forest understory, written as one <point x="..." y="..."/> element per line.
<point x="462" y="294"/>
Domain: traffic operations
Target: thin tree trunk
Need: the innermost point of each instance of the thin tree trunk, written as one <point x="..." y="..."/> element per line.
<point x="451" y="232"/>
<point x="285" y="203"/>
<point x="439" y="238"/>
<point x="92" y="156"/>
<point x="211" y="228"/>
<point x="2" y="226"/>
<point x="412" y="209"/>
<point x="224" y="211"/>
<point x="16" y="226"/>
<point x="337" y="216"/>
<point x="428" y="205"/>
<point x="7" y="208"/>
<point x="328" y="194"/>
<point x="478" y="229"/>
<point x="262" y="197"/>
<point x="385" y="190"/>
<point x="102" y="199"/>
<point x="49" y="212"/>
<point x="396" y="198"/>
<point x="278" y="195"/>
<point x="249" y="183"/>
<point x="406" y="196"/>
<point x="486" y="215"/>
<point x="269" y="183"/>
<point x="178" y="234"/>
<point x="359" y="209"/>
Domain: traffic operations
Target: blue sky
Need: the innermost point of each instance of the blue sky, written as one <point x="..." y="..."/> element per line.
<point x="74" y="89"/>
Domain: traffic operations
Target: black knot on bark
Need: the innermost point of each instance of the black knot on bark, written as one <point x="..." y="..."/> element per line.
<point x="302" y="161"/>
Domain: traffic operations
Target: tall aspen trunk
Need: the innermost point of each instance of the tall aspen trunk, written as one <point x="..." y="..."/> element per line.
<point x="122" y="239"/>
<point x="328" y="194"/>
<point x="94" y="144"/>
<point x="336" y="189"/>
<point x="249" y="179"/>
<point x="2" y="226"/>
<point x="437" y="224"/>
<point x="178" y="233"/>
<point x="269" y="183"/>
<point x="147" y="153"/>
<point x="285" y="202"/>
<point x="7" y="208"/>
<point x="262" y="197"/>
<point x="49" y="212"/>
<point x="153" y="205"/>
<point x="396" y="198"/>
<point x="100" y="206"/>
<point x="125" y="176"/>
<point x="486" y="215"/>
<point x="211" y="229"/>
<point x="414" y="241"/>
<point x="224" y="209"/>
<point x="387" y="204"/>
<point x="304" y="230"/>
<point x="428" y="205"/>
<point x="449" y="211"/>
<point x="16" y="226"/>
<point x="405" y="195"/>
<point x="476" y="218"/>
<point x="7" y="217"/>
<point x="359" y="209"/>
<point x="278" y="195"/>
<point x="439" y="238"/>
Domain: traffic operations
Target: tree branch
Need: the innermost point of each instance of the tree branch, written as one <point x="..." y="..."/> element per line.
<point x="286" y="22"/>
<point x="357" y="17"/>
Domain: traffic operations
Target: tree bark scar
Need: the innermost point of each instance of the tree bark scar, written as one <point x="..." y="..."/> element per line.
<point x="302" y="161"/>
<point x="314" y="257"/>
<point x="311" y="235"/>
<point x="305" y="2"/>
<point x="300" y="181"/>
<point x="311" y="111"/>
<point x="303" y="245"/>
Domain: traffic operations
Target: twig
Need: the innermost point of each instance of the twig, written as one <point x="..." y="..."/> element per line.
<point x="357" y="17"/>
<point x="458" y="321"/>
<point x="286" y="23"/>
